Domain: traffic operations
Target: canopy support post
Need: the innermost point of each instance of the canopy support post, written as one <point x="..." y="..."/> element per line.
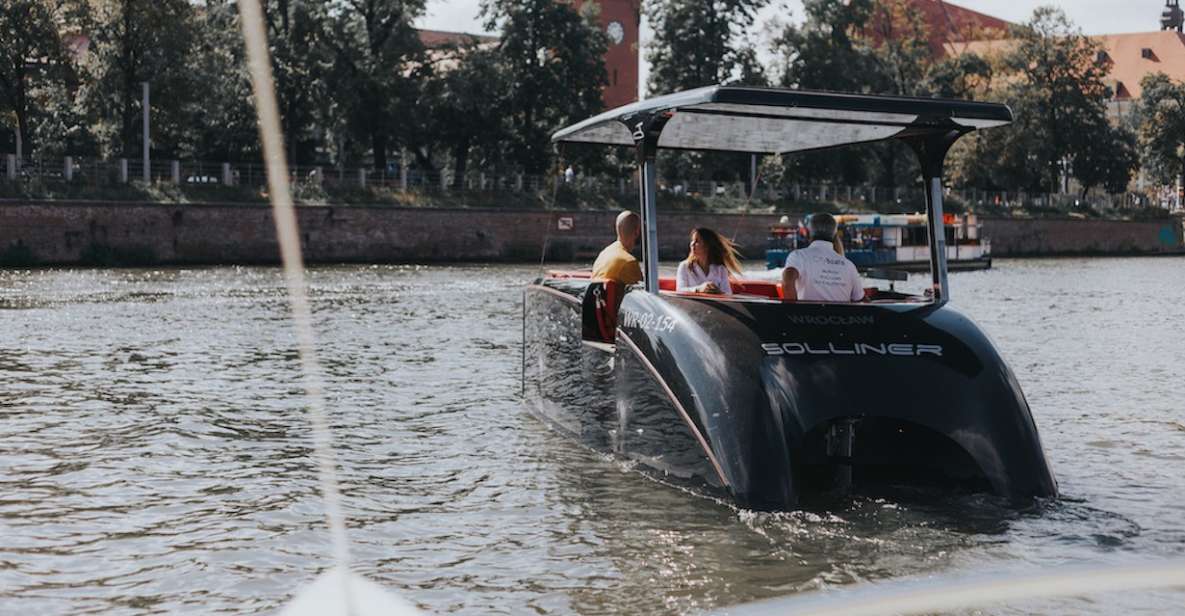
<point x="646" y="130"/>
<point x="648" y="191"/>
<point x="931" y="152"/>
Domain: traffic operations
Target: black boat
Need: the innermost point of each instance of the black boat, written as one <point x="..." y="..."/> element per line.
<point x="763" y="400"/>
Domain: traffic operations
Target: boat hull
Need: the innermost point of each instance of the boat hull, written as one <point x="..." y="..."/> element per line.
<point x="767" y="401"/>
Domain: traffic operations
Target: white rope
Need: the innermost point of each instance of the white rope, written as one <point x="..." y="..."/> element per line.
<point x="287" y="233"/>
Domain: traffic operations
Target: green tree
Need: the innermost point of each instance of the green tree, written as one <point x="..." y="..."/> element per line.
<point x="699" y="43"/>
<point x="963" y="76"/>
<point x="823" y="51"/>
<point x="896" y="41"/>
<point x="468" y="107"/>
<point x="1108" y="162"/>
<point x="1059" y="75"/>
<point x="896" y="44"/>
<point x="1161" y="113"/>
<point x="879" y="47"/>
<point x="1054" y="83"/>
<point x="377" y="62"/>
<point x="34" y="62"/>
<point x="554" y="71"/>
<point x="225" y="125"/>
<point x="144" y="41"/>
<point x="297" y="30"/>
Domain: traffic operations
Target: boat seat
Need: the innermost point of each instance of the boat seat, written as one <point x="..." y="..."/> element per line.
<point x="764" y="288"/>
<point x="760" y="288"/>
<point x="602" y="301"/>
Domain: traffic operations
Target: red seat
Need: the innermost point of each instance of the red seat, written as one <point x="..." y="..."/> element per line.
<point x="763" y="288"/>
<point x="608" y="303"/>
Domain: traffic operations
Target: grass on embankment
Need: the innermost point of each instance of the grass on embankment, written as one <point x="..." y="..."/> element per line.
<point x="564" y="197"/>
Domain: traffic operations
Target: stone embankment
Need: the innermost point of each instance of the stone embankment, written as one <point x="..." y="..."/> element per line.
<point x="70" y="233"/>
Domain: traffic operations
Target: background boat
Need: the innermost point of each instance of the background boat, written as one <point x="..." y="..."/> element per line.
<point x="898" y="241"/>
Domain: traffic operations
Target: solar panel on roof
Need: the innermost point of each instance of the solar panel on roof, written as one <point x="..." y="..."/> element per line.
<point x="778" y="121"/>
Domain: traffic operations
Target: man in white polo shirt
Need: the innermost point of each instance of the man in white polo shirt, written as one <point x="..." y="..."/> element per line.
<point x="817" y="273"/>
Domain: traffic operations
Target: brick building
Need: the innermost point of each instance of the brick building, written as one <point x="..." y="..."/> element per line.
<point x="1132" y="56"/>
<point x="622" y="21"/>
<point x="955" y="30"/>
<point x="949" y="24"/>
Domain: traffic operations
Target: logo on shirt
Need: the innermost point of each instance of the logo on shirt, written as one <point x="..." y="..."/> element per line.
<point x="851" y="348"/>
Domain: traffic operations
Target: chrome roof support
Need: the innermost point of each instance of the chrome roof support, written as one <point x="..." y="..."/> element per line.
<point x="648" y="189"/>
<point x="931" y="151"/>
<point x="646" y="129"/>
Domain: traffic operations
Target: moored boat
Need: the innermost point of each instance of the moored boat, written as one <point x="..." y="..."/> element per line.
<point x="897" y="241"/>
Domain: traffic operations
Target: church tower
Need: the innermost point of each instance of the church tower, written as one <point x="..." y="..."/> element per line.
<point x="621" y="21"/>
<point x="1172" y="17"/>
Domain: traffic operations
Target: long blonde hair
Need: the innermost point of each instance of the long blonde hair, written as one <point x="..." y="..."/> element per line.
<point x="721" y="250"/>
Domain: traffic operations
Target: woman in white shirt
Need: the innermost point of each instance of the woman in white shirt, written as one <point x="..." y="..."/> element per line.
<point x="707" y="266"/>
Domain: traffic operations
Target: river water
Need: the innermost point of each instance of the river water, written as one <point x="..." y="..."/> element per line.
<point x="154" y="456"/>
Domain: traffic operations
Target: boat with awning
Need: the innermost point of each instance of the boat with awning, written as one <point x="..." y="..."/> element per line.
<point x="766" y="400"/>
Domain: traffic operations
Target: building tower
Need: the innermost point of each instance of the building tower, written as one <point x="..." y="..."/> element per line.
<point x="621" y="21"/>
<point x="1172" y="18"/>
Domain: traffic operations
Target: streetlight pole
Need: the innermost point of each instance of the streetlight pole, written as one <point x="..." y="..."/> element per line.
<point x="147" y="171"/>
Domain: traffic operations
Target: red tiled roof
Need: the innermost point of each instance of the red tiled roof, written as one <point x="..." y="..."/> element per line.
<point x="439" y="38"/>
<point x="1128" y="64"/>
<point x="949" y="23"/>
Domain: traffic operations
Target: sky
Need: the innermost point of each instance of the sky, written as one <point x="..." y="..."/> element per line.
<point x="1093" y="16"/>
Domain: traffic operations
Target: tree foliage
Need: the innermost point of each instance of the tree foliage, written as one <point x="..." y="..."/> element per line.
<point x="355" y="83"/>
<point x="140" y="41"/>
<point x="1161" y="115"/>
<point x="1061" y="75"/>
<point x="377" y="59"/>
<point x="1054" y="80"/>
<point x="1109" y="161"/>
<point x="698" y="43"/>
<point x="823" y="52"/>
<point x="36" y="72"/>
<point x="299" y="31"/>
<point x="468" y="107"/>
<point x="225" y="124"/>
<point x="553" y="62"/>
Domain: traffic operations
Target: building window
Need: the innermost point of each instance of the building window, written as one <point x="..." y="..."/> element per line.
<point x="1146" y="53"/>
<point x="1102" y="57"/>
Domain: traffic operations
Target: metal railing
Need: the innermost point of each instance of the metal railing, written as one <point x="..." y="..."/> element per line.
<point x="88" y="172"/>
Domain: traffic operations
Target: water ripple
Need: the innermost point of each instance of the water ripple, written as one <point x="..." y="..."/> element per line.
<point x="156" y="453"/>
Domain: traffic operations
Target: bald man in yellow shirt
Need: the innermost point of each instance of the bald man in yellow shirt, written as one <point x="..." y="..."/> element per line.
<point x="615" y="262"/>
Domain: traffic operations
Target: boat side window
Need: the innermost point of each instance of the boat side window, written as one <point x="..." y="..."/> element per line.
<point x="916" y="236"/>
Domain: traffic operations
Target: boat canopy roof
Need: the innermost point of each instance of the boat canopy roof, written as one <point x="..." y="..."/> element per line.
<point x="778" y="121"/>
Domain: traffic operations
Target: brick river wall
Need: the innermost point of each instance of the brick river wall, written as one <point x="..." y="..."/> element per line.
<point x="75" y="232"/>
